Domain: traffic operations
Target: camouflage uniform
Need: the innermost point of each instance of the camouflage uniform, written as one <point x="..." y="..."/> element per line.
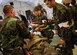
<point x="59" y="13"/>
<point x="45" y="30"/>
<point x="74" y="8"/>
<point x="35" y="45"/>
<point x="74" y="27"/>
<point x="68" y="36"/>
<point x="66" y="32"/>
<point x="13" y="32"/>
<point x="39" y="46"/>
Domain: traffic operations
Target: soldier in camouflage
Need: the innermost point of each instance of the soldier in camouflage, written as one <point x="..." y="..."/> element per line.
<point x="42" y="22"/>
<point x="13" y="33"/>
<point x="59" y="16"/>
<point x="59" y="12"/>
<point x="38" y="43"/>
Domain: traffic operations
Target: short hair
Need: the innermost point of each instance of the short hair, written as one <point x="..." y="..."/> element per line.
<point x="7" y="8"/>
<point x="40" y="6"/>
<point x="45" y="0"/>
<point x="37" y="8"/>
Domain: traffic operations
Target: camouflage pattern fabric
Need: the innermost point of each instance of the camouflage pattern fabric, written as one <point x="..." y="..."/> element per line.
<point x="13" y="32"/>
<point x="59" y="15"/>
<point x="74" y="8"/>
<point x="46" y="30"/>
<point x="39" y="46"/>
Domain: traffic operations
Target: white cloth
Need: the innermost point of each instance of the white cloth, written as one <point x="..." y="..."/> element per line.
<point x="64" y="24"/>
<point x="37" y="33"/>
<point x="49" y="13"/>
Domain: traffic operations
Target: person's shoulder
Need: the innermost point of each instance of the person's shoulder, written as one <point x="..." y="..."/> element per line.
<point x="20" y="22"/>
<point x="13" y="19"/>
<point x="60" y="6"/>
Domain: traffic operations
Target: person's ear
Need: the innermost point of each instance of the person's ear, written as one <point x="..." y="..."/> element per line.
<point x="11" y="12"/>
<point x="49" y="0"/>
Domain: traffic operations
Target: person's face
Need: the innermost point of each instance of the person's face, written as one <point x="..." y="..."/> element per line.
<point x="37" y="13"/>
<point x="50" y="3"/>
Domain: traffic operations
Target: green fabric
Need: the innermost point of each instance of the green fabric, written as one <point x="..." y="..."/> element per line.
<point x="10" y="28"/>
<point x="39" y="19"/>
<point x="59" y="14"/>
<point x="74" y="8"/>
<point x="10" y="38"/>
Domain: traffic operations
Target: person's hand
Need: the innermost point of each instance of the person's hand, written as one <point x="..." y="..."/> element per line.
<point x="37" y="29"/>
<point x="62" y="42"/>
<point x="43" y="25"/>
<point x="28" y="53"/>
<point x="34" y="22"/>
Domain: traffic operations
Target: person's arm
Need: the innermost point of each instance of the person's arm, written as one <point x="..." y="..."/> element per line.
<point x="23" y="31"/>
<point x="34" y="22"/>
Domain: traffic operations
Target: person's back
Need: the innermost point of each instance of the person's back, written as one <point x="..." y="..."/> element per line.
<point x="9" y="35"/>
<point x="13" y="33"/>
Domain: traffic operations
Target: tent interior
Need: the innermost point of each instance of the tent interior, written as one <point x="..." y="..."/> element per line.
<point x="24" y="5"/>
